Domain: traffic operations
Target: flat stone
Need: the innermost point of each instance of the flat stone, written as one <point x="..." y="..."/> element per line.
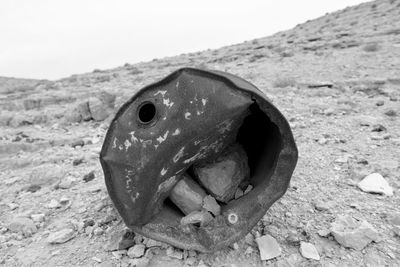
<point x="211" y="205"/>
<point x="120" y="239"/>
<point x="38" y="217"/>
<point x="98" y="110"/>
<point x="22" y="225"/>
<point x="222" y="177"/>
<point x="187" y="195"/>
<point x="375" y="183"/>
<point x="136" y="251"/>
<point x="353" y="234"/>
<point x="203" y="217"/>
<point x="308" y="250"/>
<point x="61" y="236"/>
<point x="269" y="247"/>
<point x="174" y="253"/>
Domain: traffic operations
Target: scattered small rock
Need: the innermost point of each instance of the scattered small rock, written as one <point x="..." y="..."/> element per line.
<point x="269" y="247"/>
<point x="174" y="253"/>
<point x="77" y="162"/>
<point x="353" y="234"/>
<point x="38" y="217"/>
<point x="391" y="113"/>
<point x="22" y="225"/>
<point x="78" y="142"/>
<point x="375" y="183"/>
<point x="136" y="251"/>
<point x="53" y="204"/>
<point x="308" y="250"/>
<point x="61" y="236"/>
<point x="33" y="188"/>
<point x="120" y="239"/>
<point x="89" y="176"/>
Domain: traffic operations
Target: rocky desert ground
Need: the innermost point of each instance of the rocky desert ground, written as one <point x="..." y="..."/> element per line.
<point x="335" y="78"/>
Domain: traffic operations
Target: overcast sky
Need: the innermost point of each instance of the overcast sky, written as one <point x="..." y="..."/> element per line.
<point x="50" y="39"/>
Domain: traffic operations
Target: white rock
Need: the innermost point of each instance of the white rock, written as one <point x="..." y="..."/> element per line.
<point x="22" y="225"/>
<point x="53" y="204"/>
<point x="269" y="247"/>
<point x="353" y="234"/>
<point x="308" y="250"/>
<point x="136" y="251"/>
<point x="38" y="217"/>
<point x="203" y="217"/>
<point x="61" y="236"/>
<point x="375" y="183"/>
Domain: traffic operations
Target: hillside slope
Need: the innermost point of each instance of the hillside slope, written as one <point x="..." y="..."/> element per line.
<point x="335" y="78"/>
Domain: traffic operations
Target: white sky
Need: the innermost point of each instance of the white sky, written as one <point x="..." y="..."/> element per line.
<point x="50" y="39"/>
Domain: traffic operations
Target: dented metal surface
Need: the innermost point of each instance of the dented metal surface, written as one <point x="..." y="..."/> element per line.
<point x="189" y="117"/>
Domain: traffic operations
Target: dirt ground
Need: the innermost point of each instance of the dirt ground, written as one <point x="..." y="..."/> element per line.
<point x="337" y="81"/>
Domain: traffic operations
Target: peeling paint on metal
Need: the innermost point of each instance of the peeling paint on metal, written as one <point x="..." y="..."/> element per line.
<point x="204" y="101"/>
<point x="161" y="139"/>
<point x="133" y="198"/>
<point x="179" y="155"/>
<point x="160" y="92"/>
<point x="133" y="137"/>
<point x="177" y="132"/>
<point x="168" y="103"/>
<point x="192" y="158"/>
<point x="114" y="143"/>
<point x="166" y="185"/>
<point x="127" y="144"/>
<point x="187" y="115"/>
<point x="163" y="171"/>
<point x="225" y="126"/>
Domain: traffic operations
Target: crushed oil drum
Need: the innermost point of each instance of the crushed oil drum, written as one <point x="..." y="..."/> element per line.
<point x="191" y="116"/>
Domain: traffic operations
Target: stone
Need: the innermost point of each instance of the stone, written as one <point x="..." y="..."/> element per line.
<point x="65" y="183"/>
<point x="22" y="225"/>
<point x="77" y="143"/>
<point x="187" y="195"/>
<point x="203" y="217"/>
<point x="53" y="204"/>
<point x="120" y="239"/>
<point x="61" y="236"/>
<point x="174" y="253"/>
<point x="269" y="247"/>
<point x="88" y="177"/>
<point x="77" y="162"/>
<point x="38" y="217"/>
<point x="211" y="205"/>
<point x="375" y="183"/>
<point x="136" y="251"/>
<point x="353" y="234"/>
<point x="153" y="243"/>
<point x="308" y="251"/>
<point x="139" y="262"/>
<point x="98" y="110"/>
<point x="222" y="177"/>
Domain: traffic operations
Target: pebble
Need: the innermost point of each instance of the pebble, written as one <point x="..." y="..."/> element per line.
<point x="139" y="262"/>
<point x="375" y="183"/>
<point x="65" y="183"/>
<point x="61" y="236"/>
<point x="22" y="225"/>
<point x="174" y="253"/>
<point x="353" y="234"/>
<point x="269" y="247"/>
<point x="136" y="251"/>
<point x="53" y="204"/>
<point x="89" y="176"/>
<point x="120" y="239"/>
<point x="308" y="250"/>
<point x="238" y="193"/>
<point x="38" y="217"/>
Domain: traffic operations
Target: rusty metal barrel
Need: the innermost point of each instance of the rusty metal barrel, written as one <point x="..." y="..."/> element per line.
<point x="185" y="126"/>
